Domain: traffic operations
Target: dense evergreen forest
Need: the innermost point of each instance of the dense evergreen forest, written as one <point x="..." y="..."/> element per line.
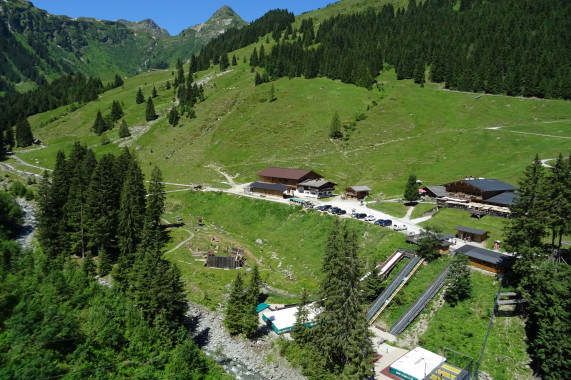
<point x="56" y="319"/>
<point x="274" y="21"/>
<point x="508" y="47"/>
<point x="542" y="273"/>
<point x="60" y="92"/>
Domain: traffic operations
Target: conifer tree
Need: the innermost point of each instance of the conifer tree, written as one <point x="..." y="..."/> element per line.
<point x="101" y="208"/>
<point x="257" y="79"/>
<point x="411" y="189"/>
<point x="272" y="93"/>
<point x="123" y="129"/>
<point x="52" y="197"/>
<point x="168" y="85"/>
<point x="180" y="72"/>
<point x="140" y="98"/>
<point x="99" y="126"/>
<point x="116" y="111"/>
<point x="234" y="61"/>
<point x="154" y="92"/>
<point x="261" y="56"/>
<point x="548" y="323"/>
<point x="250" y="316"/>
<point x="131" y="214"/>
<point x="150" y="112"/>
<point x="342" y="335"/>
<point x="458" y="280"/>
<point x="81" y="164"/>
<point x="104" y="263"/>
<point x="558" y="200"/>
<point x="117" y="82"/>
<point x="173" y="117"/>
<point x="24" y="135"/>
<point x="10" y="141"/>
<point x="301" y="332"/>
<point x="153" y="239"/>
<point x="527" y="223"/>
<point x="254" y="58"/>
<point x="88" y="266"/>
<point x="335" y="127"/>
<point x="235" y="307"/>
<point x="224" y="62"/>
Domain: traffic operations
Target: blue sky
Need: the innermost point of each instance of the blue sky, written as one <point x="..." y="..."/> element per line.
<point x="172" y="15"/>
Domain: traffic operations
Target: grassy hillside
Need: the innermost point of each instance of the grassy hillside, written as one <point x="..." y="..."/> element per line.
<point x="437" y="134"/>
<point x="289" y="258"/>
<point x="350" y="6"/>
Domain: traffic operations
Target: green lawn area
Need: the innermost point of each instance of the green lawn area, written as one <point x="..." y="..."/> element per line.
<point x="446" y="219"/>
<point x="396" y="209"/>
<point x="293" y="242"/>
<point x="420" y="209"/>
<point x="464" y="327"/>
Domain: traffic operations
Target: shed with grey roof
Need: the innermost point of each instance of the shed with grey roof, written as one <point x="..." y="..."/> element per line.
<point x="435" y="191"/>
<point x="273" y="189"/>
<point x="357" y="192"/>
<point x="482" y="258"/>
<point x="471" y="234"/>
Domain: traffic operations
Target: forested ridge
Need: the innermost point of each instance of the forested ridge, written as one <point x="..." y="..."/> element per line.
<point x="56" y="319"/>
<point x="508" y="47"/>
<point x="38" y="47"/>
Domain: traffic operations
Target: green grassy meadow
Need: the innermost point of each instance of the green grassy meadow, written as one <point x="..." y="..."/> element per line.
<point x="293" y="243"/>
<point x="439" y="135"/>
<point x="446" y="219"/>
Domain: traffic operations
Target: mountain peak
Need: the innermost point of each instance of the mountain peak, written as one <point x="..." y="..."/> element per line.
<point x="147" y="25"/>
<point x="224" y="10"/>
<point x="222" y="20"/>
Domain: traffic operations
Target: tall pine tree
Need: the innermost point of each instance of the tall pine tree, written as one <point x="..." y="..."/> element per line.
<point x="342" y="334"/>
<point x="150" y="112"/>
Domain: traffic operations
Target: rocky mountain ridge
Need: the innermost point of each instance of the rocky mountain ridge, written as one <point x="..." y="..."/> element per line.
<point x="38" y="46"/>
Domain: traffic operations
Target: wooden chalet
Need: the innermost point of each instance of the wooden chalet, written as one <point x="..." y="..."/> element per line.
<point x="471" y="234"/>
<point x="492" y="261"/>
<point x="477" y="189"/>
<point x="318" y="188"/>
<point x="285" y="176"/>
<point x="357" y="192"/>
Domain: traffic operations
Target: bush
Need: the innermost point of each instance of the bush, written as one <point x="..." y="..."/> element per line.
<point x="18" y="190"/>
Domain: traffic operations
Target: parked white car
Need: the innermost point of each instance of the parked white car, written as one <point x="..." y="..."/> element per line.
<point x="370" y="218"/>
<point x="401" y="227"/>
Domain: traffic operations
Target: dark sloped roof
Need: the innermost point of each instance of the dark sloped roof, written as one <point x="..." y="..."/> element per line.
<point x="317" y="183"/>
<point x="448" y="236"/>
<point x="470" y="230"/>
<point x="505" y="199"/>
<point x="285" y="173"/>
<point x="269" y="186"/>
<point x="489" y="184"/>
<point x="486" y="255"/>
<point x="439" y="191"/>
